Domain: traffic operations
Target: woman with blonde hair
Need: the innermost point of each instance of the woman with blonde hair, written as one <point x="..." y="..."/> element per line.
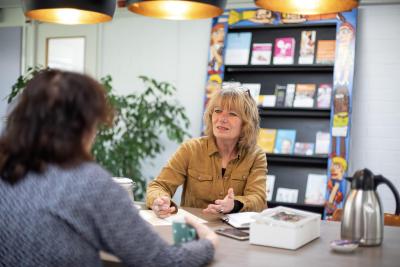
<point x="222" y="172"/>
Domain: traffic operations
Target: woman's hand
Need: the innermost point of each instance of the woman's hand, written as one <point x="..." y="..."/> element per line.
<point x="162" y="207"/>
<point x="222" y="206"/>
<point x="203" y="231"/>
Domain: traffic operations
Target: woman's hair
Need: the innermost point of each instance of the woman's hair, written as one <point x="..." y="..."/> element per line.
<point x="54" y="115"/>
<point x="238" y="99"/>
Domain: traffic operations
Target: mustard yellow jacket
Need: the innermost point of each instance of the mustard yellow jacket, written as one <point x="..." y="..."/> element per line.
<point x="197" y="166"/>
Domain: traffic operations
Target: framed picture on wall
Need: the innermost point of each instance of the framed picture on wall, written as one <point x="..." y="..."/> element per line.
<point x="66" y="53"/>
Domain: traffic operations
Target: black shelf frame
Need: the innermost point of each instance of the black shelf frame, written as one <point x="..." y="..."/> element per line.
<point x="294" y="159"/>
<point x="307" y="207"/>
<point x="232" y="28"/>
<point x="294" y="112"/>
<point x="280" y="68"/>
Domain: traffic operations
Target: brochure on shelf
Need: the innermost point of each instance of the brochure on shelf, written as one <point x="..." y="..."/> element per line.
<point x="307" y="47"/>
<point x="267" y="100"/>
<point x="261" y="54"/>
<point x="324" y="95"/>
<point x="280" y="92"/>
<point x="270" y="186"/>
<point x="316" y="189"/>
<point x="290" y="92"/>
<point x="284" y="227"/>
<point x="266" y="139"/>
<point x="304" y="97"/>
<point x="326" y="51"/>
<point x="287" y="195"/>
<point x="322" y="143"/>
<point x="285" y="140"/>
<point x="254" y="89"/>
<point x="304" y="148"/>
<point x="284" y="50"/>
<point x="238" y="48"/>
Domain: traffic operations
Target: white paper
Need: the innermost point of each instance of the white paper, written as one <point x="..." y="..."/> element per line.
<point x="150" y="217"/>
<point x="241" y="219"/>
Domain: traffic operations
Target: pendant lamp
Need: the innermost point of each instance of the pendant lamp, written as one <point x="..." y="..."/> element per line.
<point x="177" y="9"/>
<point x="308" y="7"/>
<point x="69" y="11"/>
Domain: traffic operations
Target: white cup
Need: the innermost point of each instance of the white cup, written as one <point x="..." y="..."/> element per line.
<point x="126" y="184"/>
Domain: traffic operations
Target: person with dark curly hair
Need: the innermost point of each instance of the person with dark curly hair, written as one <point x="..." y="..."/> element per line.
<point x="58" y="207"/>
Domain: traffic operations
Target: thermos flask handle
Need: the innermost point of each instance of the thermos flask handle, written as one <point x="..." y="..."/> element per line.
<point x="380" y="179"/>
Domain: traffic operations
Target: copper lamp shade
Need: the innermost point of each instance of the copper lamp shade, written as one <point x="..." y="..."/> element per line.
<point x="308" y="7"/>
<point x="177" y="9"/>
<point x="69" y="11"/>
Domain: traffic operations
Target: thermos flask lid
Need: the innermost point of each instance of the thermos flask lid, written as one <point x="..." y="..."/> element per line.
<point x="362" y="179"/>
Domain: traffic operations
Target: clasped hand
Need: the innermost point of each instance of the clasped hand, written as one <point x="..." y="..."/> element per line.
<point x="162" y="207"/>
<point x="222" y="206"/>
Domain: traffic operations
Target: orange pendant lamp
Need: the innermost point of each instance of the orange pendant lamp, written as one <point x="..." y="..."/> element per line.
<point x="69" y="11"/>
<point x="308" y="7"/>
<point x="177" y="9"/>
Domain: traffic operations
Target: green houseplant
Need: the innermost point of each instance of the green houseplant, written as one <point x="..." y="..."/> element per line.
<point x="140" y="119"/>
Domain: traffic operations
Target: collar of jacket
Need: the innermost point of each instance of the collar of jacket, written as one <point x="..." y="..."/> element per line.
<point x="212" y="148"/>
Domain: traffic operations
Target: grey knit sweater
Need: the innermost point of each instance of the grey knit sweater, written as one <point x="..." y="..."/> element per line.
<point x="64" y="217"/>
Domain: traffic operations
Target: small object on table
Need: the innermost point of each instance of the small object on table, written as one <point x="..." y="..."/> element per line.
<point x="344" y="245"/>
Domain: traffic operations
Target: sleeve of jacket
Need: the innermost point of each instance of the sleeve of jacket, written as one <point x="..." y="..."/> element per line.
<point x="254" y="197"/>
<point x="171" y="176"/>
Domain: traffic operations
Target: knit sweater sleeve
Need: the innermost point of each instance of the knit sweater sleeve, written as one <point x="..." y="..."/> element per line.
<point x="125" y="234"/>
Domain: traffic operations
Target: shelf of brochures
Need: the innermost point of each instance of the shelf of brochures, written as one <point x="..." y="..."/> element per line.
<point x="302" y="206"/>
<point x="314" y="160"/>
<point x="294" y="112"/>
<point x="280" y="68"/>
<point x="299" y="69"/>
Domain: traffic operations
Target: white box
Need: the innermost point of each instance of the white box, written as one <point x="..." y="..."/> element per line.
<point x="284" y="228"/>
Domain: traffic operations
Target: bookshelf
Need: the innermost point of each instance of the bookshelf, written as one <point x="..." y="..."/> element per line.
<point x="293" y="170"/>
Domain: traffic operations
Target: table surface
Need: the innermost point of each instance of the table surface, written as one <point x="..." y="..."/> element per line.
<point x="231" y="252"/>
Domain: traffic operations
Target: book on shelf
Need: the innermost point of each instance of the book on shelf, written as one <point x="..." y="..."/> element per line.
<point x="304" y="97"/>
<point x="307" y="47"/>
<point x="240" y="220"/>
<point x="261" y="54"/>
<point x="285" y="139"/>
<point x="290" y="91"/>
<point x="238" y="48"/>
<point x="270" y="186"/>
<point x="315" y="189"/>
<point x="304" y="148"/>
<point x="254" y="89"/>
<point x="280" y="92"/>
<point x="287" y="195"/>
<point x="326" y="52"/>
<point x="322" y="142"/>
<point x="284" y="50"/>
<point x="266" y="139"/>
<point x="267" y="100"/>
<point x="324" y="95"/>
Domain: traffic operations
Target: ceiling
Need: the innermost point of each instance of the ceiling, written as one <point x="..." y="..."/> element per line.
<point x="16" y="3"/>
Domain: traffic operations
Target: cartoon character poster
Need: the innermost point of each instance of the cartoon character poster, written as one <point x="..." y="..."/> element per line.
<point x="341" y="110"/>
